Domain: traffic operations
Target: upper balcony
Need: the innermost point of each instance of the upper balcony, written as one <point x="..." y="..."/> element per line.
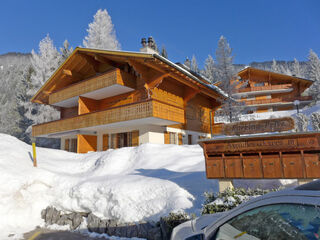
<point x="141" y="113"/>
<point x="262" y="90"/>
<point x="111" y="83"/>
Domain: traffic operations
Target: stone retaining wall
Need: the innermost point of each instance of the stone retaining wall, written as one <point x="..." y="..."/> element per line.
<point x="146" y="230"/>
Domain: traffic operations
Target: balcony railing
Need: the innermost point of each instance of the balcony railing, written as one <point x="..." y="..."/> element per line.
<point x="265" y="88"/>
<point x="276" y="100"/>
<point x="115" y="76"/>
<point x="145" y="109"/>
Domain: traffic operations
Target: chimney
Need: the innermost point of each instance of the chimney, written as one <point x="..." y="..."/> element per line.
<point x="148" y="48"/>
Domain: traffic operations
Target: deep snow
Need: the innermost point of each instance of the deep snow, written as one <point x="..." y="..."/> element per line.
<point x="128" y="184"/>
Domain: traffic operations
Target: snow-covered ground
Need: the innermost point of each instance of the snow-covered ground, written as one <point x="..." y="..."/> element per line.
<point x="128" y="184"/>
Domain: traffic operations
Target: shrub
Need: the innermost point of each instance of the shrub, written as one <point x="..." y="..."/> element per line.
<point x="229" y="199"/>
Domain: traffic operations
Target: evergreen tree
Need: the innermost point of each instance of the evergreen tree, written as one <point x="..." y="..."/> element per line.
<point x="44" y="64"/>
<point x="230" y="109"/>
<point x="296" y="68"/>
<point x="194" y="65"/>
<point x="187" y="63"/>
<point x="210" y="69"/>
<point x="301" y="122"/>
<point x="314" y="74"/>
<point x="101" y="33"/>
<point x="274" y="67"/>
<point x="315" y="121"/>
<point x="65" y="50"/>
<point x="164" y="52"/>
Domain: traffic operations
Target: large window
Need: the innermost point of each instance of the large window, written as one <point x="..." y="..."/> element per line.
<point x="119" y="140"/>
<point x="173" y="138"/>
<point x="280" y="221"/>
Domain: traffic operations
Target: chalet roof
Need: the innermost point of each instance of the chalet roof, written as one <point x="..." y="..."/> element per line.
<point x="244" y="74"/>
<point x="83" y="61"/>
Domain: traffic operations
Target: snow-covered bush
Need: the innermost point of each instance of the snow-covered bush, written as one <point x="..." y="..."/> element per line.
<point x="315" y="121"/>
<point x="230" y="198"/>
<point x="168" y="223"/>
<point x="301" y="122"/>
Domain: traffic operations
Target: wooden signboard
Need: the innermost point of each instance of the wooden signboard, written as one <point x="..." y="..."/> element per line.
<point x="258" y="126"/>
<point x="290" y="155"/>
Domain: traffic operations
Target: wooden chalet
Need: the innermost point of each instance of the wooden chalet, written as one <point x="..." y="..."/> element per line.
<point x="113" y="99"/>
<point x="268" y="91"/>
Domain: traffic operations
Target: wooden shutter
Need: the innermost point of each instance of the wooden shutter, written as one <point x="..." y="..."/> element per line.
<point x="105" y="142"/>
<point x="166" y="138"/>
<point x="117" y="141"/>
<point x="66" y="144"/>
<point x="180" y="138"/>
<point x="135" y="138"/>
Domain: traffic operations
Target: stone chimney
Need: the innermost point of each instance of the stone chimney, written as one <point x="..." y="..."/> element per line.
<point x="148" y="47"/>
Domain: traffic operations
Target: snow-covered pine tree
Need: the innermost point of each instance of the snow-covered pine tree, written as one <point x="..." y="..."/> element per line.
<point x="314" y="74"/>
<point x="101" y="33"/>
<point x="187" y="62"/>
<point x="194" y="65"/>
<point x="44" y="63"/>
<point x="164" y="52"/>
<point x="315" y="121"/>
<point x="210" y="69"/>
<point x="65" y="50"/>
<point x="301" y="122"/>
<point x="296" y="68"/>
<point x="274" y="67"/>
<point x="230" y="109"/>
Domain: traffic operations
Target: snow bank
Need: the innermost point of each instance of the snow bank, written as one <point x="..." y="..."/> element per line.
<point x="128" y="184"/>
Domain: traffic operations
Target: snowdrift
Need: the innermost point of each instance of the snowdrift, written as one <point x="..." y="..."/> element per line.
<point x="128" y="184"/>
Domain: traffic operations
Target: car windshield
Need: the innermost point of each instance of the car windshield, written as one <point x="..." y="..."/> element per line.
<point x="279" y="221"/>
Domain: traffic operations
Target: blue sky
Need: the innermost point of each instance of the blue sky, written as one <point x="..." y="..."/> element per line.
<point x="257" y="30"/>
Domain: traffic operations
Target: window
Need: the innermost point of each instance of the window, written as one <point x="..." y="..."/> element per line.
<point x="119" y="140"/>
<point x="259" y="84"/>
<point x="173" y="138"/>
<point x="189" y="139"/>
<point x="73" y="145"/>
<point x="279" y="221"/>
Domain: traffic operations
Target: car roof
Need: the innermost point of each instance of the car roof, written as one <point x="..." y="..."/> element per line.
<point x="311" y="186"/>
<point x="308" y="190"/>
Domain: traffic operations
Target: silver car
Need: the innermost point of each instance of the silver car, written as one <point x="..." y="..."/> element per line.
<point x="290" y="214"/>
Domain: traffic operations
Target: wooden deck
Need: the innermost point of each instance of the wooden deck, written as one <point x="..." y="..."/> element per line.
<point x="115" y="76"/>
<point x="140" y="110"/>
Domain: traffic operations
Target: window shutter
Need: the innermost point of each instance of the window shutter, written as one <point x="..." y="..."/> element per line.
<point x="180" y="138"/>
<point x="105" y="142"/>
<point x="135" y="138"/>
<point x="66" y="145"/>
<point x="166" y="138"/>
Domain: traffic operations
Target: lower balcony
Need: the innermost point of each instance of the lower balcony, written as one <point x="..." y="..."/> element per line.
<point x="151" y="112"/>
<point x="277" y="101"/>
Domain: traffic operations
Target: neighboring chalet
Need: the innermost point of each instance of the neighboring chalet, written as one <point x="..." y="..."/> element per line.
<point x="113" y="99"/>
<point x="268" y="91"/>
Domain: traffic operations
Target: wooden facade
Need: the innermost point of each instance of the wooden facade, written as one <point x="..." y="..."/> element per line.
<point x="99" y="91"/>
<point x="269" y="91"/>
<point x="290" y="155"/>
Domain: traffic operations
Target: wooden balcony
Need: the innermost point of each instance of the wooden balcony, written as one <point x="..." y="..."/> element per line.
<point x="113" y="77"/>
<point x="265" y="88"/>
<point x="146" y="109"/>
<point x="276" y="100"/>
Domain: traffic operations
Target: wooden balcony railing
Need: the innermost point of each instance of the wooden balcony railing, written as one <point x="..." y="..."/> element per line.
<point x="115" y="76"/>
<point x="276" y="100"/>
<point x="145" y="109"/>
<point x="265" y="88"/>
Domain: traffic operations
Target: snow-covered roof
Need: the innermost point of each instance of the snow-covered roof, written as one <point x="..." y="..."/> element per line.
<point x="189" y="74"/>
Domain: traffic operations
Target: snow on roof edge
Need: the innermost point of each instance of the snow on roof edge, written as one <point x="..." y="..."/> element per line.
<point x="213" y="87"/>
